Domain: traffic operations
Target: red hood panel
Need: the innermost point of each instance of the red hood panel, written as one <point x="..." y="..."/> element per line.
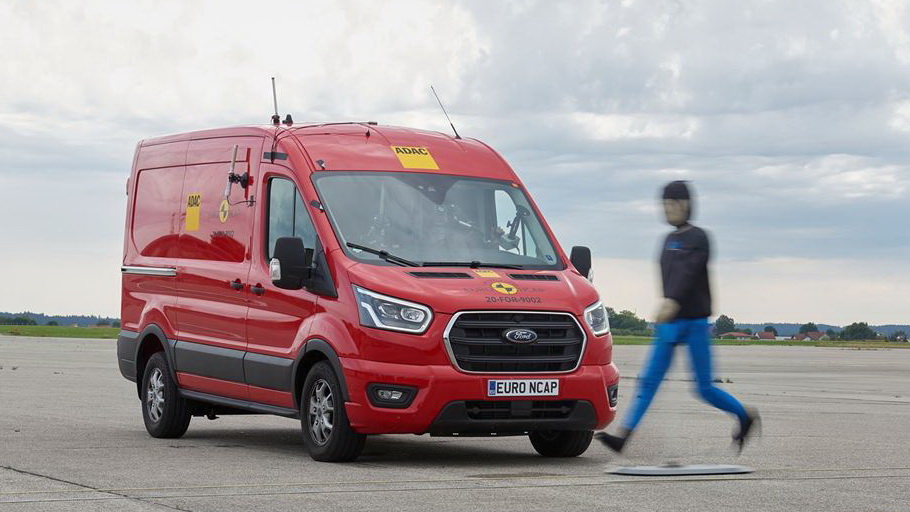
<point x="571" y="293"/>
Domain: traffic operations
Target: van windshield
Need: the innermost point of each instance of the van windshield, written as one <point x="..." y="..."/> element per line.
<point x="435" y="218"/>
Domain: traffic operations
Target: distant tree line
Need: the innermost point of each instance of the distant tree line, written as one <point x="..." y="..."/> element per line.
<point x="22" y="320"/>
<point x="29" y="318"/>
<point x="857" y="331"/>
<point x="16" y="320"/>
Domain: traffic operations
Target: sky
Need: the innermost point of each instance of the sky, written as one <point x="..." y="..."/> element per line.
<point x="791" y="119"/>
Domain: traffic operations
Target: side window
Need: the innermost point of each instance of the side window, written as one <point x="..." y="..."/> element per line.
<point x="505" y="215"/>
<point x="505" y="208"/>
<point x="287" y="215"/>
<point x="525" y="244"/>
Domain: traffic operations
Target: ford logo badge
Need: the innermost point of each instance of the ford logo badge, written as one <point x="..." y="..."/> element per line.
<point x="520" y="336"/>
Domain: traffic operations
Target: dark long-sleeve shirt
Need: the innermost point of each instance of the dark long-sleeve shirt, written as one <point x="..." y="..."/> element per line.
<point x="684" y="268"/>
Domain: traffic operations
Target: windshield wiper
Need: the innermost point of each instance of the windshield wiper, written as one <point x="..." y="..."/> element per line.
<point x="385" y="255"/>
<point x="472" y="264"/>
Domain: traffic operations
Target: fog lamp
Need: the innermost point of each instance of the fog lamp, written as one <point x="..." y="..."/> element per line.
<point x="391" y="396"/>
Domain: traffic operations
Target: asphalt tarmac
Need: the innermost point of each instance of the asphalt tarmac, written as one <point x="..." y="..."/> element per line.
<point x="836" y="436"/>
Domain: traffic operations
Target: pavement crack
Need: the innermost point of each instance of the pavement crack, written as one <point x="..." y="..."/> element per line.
<point x="89" y="487"/>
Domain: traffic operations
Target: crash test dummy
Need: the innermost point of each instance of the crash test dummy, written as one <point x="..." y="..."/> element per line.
<point x="682" y="319"/>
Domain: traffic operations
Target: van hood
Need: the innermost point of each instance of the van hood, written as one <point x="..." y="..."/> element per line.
<point x="452" y="289"/>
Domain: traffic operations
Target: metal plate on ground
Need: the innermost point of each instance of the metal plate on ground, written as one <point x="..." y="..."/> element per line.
<point x="681" y="470"/>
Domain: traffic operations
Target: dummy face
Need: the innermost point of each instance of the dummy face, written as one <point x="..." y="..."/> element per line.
<point x="676" y="211"/>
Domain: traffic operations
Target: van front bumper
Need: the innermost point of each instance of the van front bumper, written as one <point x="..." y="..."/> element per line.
<point x="448" y="401"/>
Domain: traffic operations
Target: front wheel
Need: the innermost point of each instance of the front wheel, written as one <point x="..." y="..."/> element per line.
<point x="326" y="431"/>
<point x="561" y="443"/>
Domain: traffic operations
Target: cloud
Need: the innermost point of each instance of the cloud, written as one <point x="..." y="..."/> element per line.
<point x="607" y="127"/>
<point x="791" y="119"/>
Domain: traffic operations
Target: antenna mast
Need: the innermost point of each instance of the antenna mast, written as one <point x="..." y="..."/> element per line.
<point x="443" y="111"/>
<point x="276" y="119"/>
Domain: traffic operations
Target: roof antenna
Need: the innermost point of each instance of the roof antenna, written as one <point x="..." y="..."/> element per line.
<point x="276" y="119"/>
<point x="444" y="112"/>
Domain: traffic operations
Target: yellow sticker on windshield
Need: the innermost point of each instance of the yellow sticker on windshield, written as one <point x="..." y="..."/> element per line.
<point x="414" y="157"/>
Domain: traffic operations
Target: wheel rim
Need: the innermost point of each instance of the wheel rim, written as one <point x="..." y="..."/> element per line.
<point x="321" y="412"/>
<point x="154" y="396"/>
<point x="548" y="435"/>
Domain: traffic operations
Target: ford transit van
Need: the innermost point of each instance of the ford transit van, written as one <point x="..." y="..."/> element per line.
<point x="363" y="279"/>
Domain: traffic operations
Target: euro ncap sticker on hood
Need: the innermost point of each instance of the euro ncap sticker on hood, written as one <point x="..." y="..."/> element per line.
<point x="415" y="157"/>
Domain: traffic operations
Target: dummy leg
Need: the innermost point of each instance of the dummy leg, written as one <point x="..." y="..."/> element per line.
<point x="698" y="339"/>
<point x="649" y="381"/>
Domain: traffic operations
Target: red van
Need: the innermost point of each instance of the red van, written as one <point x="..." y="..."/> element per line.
<point x="365" y="279"/>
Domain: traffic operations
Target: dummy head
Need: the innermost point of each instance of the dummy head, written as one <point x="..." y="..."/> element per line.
<point x="677" y="203"/>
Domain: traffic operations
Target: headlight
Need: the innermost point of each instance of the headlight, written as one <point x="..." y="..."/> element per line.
<point x="597" y="319"/>
<point x="384" y="312"/>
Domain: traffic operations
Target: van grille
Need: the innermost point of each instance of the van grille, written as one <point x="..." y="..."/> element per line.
<point x="519" y="409"/>
<point x="477" y="345"/>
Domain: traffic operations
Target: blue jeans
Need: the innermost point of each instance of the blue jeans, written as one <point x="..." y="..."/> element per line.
<point x="694" y="333"/>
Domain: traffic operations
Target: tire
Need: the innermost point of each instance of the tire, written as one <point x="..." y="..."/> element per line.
<point x="164" y="411"/>
<point x="326" y="431"/>
<point x="561" y="443"/>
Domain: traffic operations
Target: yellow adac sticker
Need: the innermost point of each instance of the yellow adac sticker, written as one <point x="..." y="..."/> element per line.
<point x="414" y="157"/>
<point x="224" y="211"/>
<point x="193" y="205"/>
<point x="504" y="288"/>
<point x="486" y="273"/>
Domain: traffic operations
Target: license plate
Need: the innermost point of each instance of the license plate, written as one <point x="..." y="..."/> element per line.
<point x="523" y="387"/>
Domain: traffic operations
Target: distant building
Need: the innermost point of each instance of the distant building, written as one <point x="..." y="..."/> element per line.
<point x="736" y="336"/>
<point x="810" y="336"/>
<point x="765" y="336"/>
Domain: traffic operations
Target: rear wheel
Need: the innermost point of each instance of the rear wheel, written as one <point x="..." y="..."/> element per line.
<point x="561" y="443"/>
<point x="326" y="431"/>
<point x="164" y="411"/>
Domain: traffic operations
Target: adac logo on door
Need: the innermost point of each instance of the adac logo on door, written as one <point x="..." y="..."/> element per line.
<point x="504" y="288"/>
<point x="415" y="157"/>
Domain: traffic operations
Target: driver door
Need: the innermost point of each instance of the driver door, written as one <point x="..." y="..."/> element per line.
<point x="275" y="316"/>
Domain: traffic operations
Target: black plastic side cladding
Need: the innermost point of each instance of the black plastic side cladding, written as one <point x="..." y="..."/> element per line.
<point x="127" y="344"/>
<point x="268" y="371"/>
<point x="142" y="340"/>
<point x="209" y="361"/>
<point x="326" y="350"/>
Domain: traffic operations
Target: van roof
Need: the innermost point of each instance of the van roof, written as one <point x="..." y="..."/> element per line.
<point x="354" y="146"/>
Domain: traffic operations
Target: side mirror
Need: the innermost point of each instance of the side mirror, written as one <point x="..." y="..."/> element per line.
<point x="581" y="259"/>
<point x="291" y="264"/>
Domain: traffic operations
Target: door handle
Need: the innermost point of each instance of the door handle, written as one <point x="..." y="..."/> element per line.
<point x="237" y="285"/>
<point x="258" y="289"/>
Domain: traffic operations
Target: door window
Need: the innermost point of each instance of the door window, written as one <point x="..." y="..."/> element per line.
<point x="506" y="218"/>
<point x="287" y="215"/>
